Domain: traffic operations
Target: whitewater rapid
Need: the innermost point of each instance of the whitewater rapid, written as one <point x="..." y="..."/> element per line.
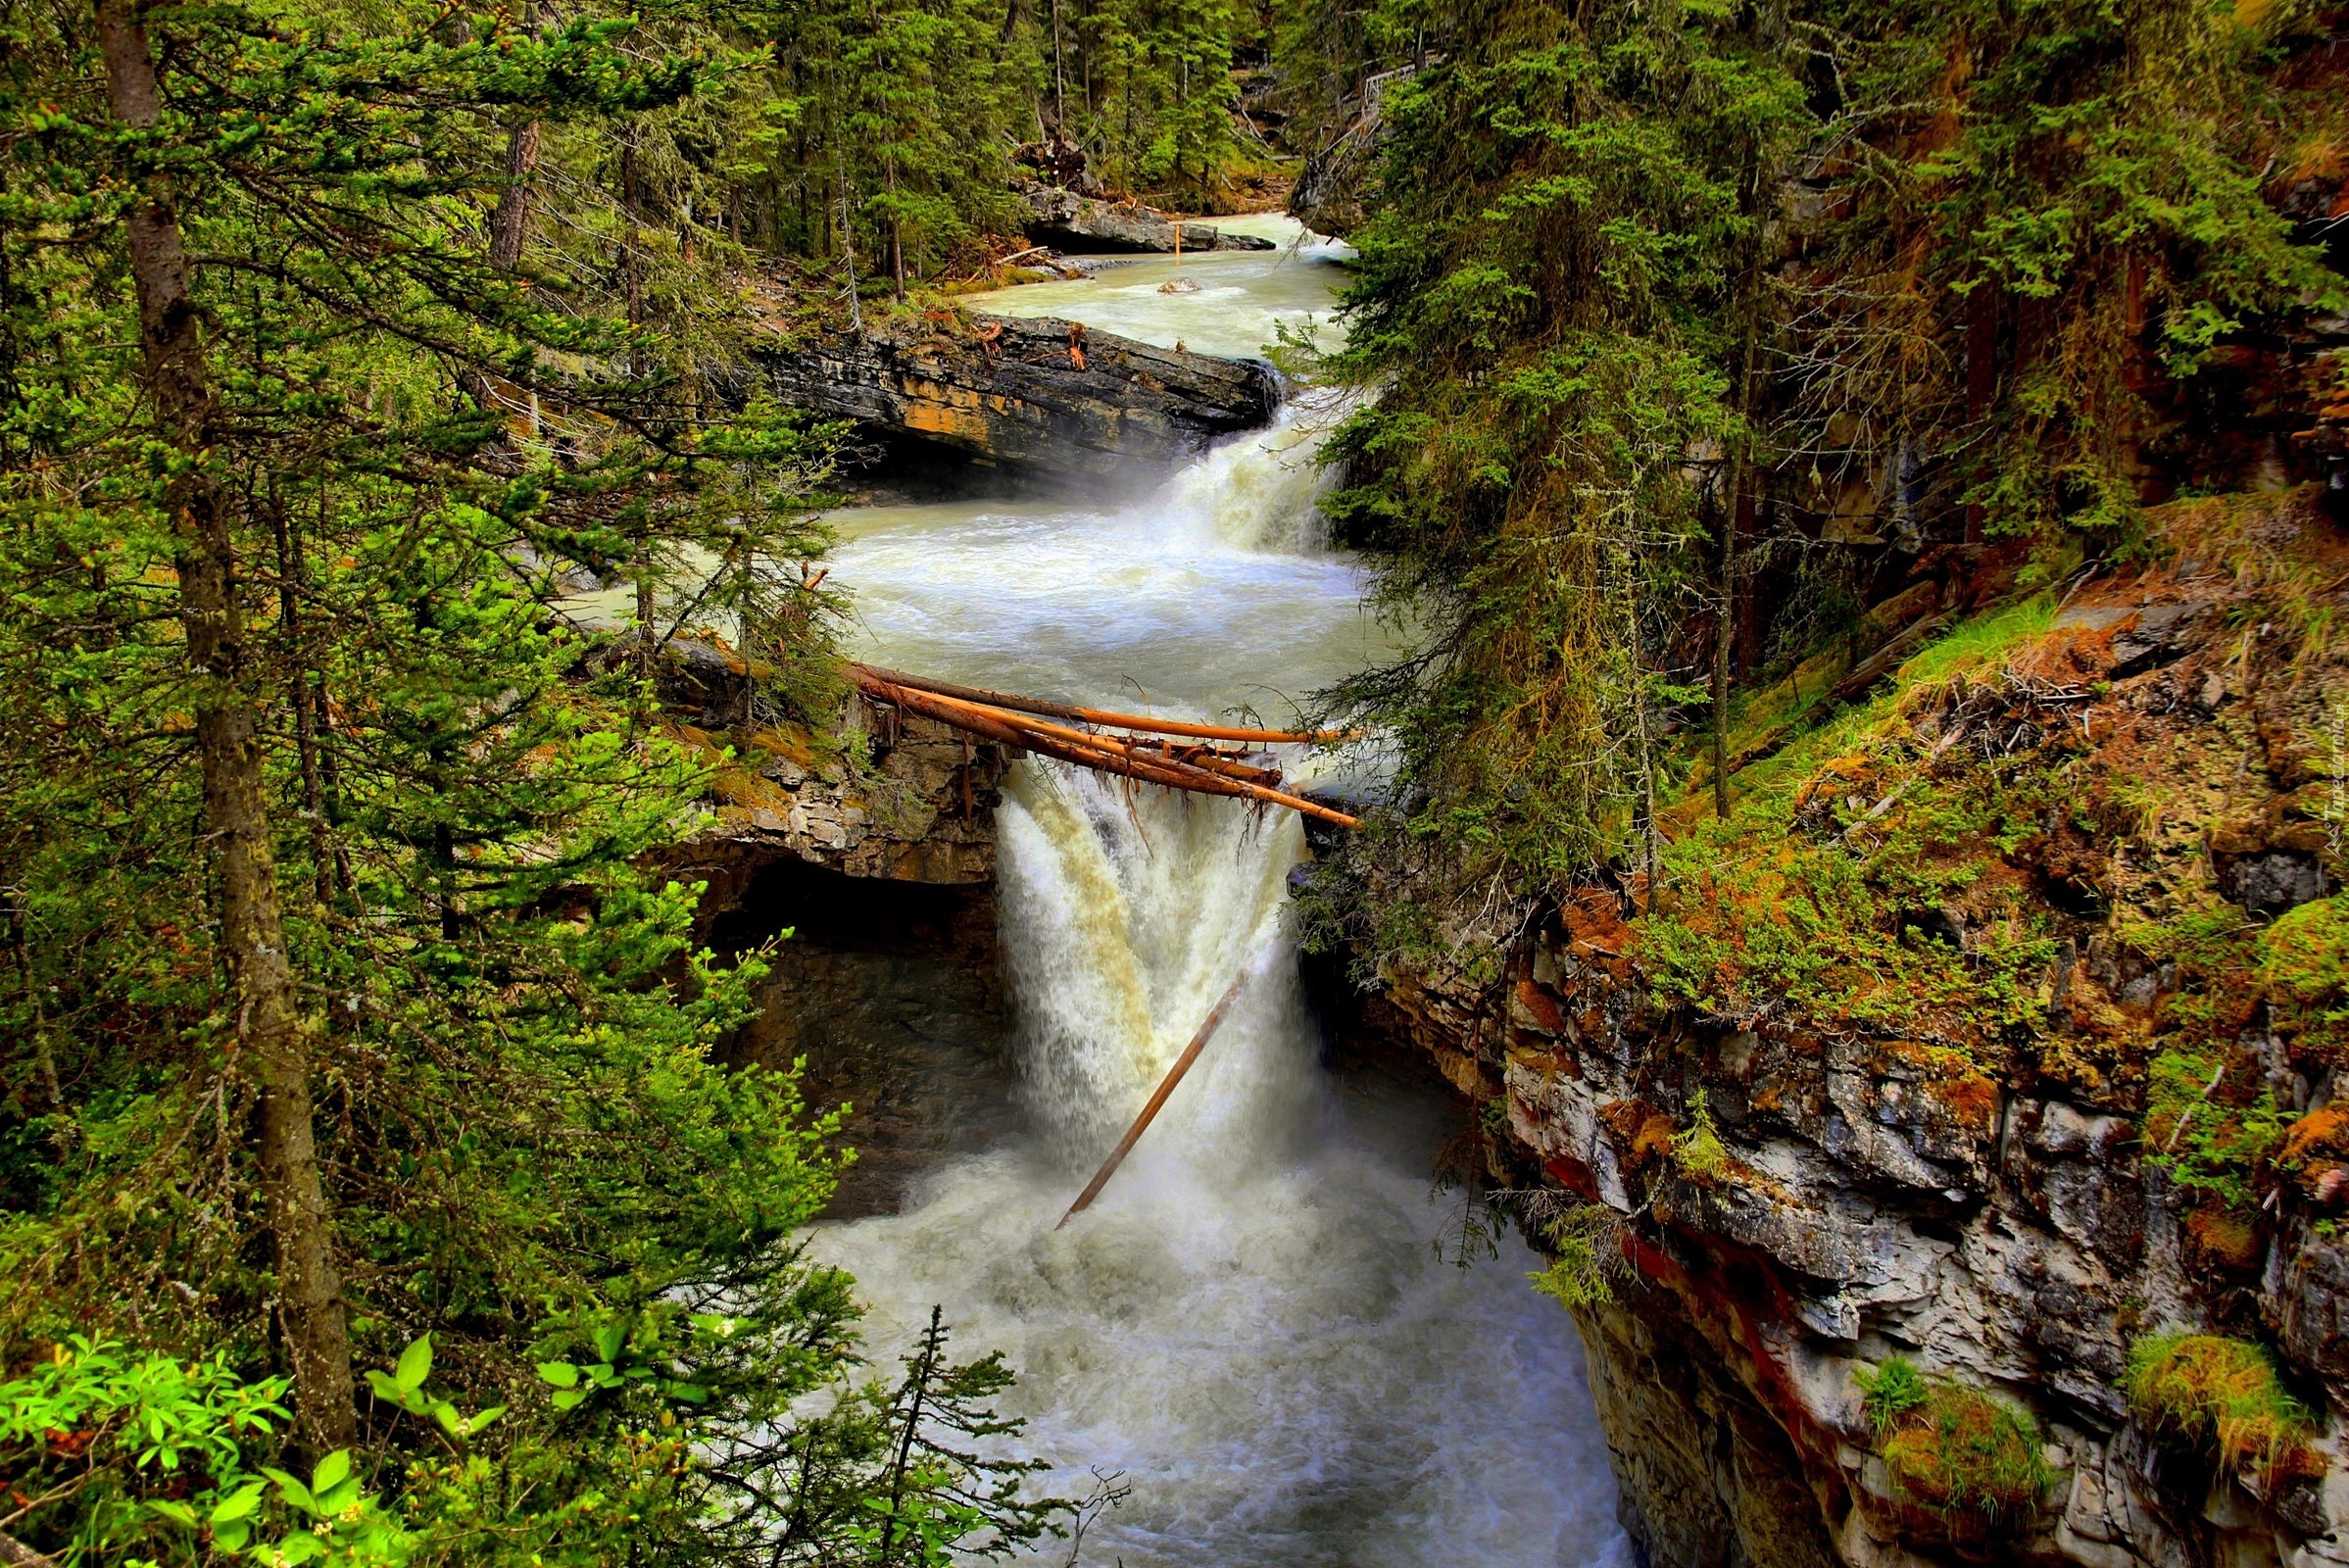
<point x="1251" y="1325"/>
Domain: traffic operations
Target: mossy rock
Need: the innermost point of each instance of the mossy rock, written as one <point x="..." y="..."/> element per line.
<point x="2222" y="1397"/>
<point x="1969" y="1461"/>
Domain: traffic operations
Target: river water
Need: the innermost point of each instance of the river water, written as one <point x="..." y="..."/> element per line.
<point x="1252" y="1324"/>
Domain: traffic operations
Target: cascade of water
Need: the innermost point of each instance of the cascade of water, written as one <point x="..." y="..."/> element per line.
<point x="1250" y="1322"/>
<point x="1125" y="914"/>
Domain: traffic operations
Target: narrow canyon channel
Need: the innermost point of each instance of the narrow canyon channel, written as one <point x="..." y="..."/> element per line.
<point x="1253" y="1325"/>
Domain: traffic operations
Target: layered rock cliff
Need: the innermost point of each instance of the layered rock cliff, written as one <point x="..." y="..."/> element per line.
<point x="880" y="795"/>
<point x="1943" y="1155"/>
<point x="1060" y="216"/>
<point x="1035" y="395"/>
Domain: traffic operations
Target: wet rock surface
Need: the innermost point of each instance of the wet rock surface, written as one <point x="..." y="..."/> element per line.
<point x="2004" y="1210"/>
<point x="1036" y="395"/>
<point x="1057" y="216"/>
<point x="892" y="995"/>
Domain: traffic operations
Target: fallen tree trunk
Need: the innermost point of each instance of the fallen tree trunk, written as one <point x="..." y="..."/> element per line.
<point x="1104" y="753"/>
<point x="1094" y="715"/>
<point x="1157" y="1101"/>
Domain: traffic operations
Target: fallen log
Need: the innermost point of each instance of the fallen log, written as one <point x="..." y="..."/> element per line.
<point x="1094" y="715"/>
<point x="1158" y="751"/>
<point x="1157" y="1099"/>
<point x="1098" y="752"/>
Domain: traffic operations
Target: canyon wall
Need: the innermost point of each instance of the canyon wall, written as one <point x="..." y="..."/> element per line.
<point x="1994" y="1036"/>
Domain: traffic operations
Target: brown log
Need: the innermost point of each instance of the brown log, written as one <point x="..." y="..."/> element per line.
<point x="1086" y="751"/>
<point x="997" y="728"/>
<point x="1157" y="1099"/>
<point x="1094" y="715"/>
<point x="1144" y="751"/>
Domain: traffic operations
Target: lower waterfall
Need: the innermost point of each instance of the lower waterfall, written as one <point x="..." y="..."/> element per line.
<point x="1251" y="1323"/>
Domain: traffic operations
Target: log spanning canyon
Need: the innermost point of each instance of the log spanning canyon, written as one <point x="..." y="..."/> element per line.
<point x="1155" y="751"/>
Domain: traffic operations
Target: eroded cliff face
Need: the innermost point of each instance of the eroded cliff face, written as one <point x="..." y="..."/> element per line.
<point x="881" y="795"/>
<point x="1058" y="216"/>
<point x="1039" y="396"/>
<point x="1995" y="1034"/>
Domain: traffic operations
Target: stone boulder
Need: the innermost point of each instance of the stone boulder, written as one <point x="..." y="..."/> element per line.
<point x="1058" y="217"/>
<point x="1045" y="396"/>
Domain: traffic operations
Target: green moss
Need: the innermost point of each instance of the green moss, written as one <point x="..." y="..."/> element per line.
<point x="2305" y="953"/>
<point x="2220" y="1396"/>
<point x="1951" y="1450"/>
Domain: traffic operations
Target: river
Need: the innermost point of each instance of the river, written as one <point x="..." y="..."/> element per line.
<point x="1252" y="1324"/>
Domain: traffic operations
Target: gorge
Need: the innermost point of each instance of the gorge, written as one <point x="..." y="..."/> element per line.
<point x="1667" y="679"/>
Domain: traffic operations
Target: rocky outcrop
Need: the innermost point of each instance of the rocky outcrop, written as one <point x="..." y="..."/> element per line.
<point x="1058" y="217"/>
<point x="1041" y="396"/>
<point x="880" y="795"/>
<point x="1998" y="1036"/>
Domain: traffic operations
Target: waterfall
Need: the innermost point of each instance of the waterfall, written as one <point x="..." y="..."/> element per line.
<point x="1251" y="1323"/>
<point x="1125" y="915"/>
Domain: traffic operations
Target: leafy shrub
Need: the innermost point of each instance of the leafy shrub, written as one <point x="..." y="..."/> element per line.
<point x="2220" y="1397"/>
<point x="144" y="1459"/>
<point x="2209" y="1145"/>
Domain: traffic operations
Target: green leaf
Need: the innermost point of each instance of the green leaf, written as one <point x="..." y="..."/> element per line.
<point x="177" y="1512"/>
<point x="687" y="1392"/>
<point x="570" y="1400"/>
<point x="232" y="1537"/>
<point x="292" y="1490"/>
<point x="383" y="1388"/>
<point x="238" y="1503"/>
<point x="608" y="1341"/>
<point x="479" y="1420"/>
<point x="332" y="1471"/>
<point x="416" y="1364"/>
<point x="561" y="1374"/>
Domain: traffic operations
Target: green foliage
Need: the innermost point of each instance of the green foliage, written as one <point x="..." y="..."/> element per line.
<point x="1552" y="294"/>
<point x="2220" y="1396"/>
<point x="1631" y="272"/>
<point x="1696" y="1148"/>
<point x="1893" y="1392"/>
<point x="1584" y="1258"/>
<point x="526" y="1149"/>
<point x="152" y="1459"/>
<point x="2211" y="1139"/>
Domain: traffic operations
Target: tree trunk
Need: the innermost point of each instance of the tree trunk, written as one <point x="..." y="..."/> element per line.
<point x="299" y="693"/>
<point x="510" y="223"/>
<point x="1981" y="383"/>
<point x="236" y="807"/>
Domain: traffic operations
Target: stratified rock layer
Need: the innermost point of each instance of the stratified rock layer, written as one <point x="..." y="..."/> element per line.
<point x="1038" y="395"/>
<point x="1975" y="1178"/>
<point x="1061" y="218"/>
